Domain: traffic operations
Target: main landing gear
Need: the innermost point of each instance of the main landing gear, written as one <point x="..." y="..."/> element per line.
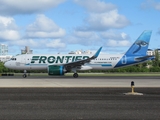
<point x="75" y="75"/>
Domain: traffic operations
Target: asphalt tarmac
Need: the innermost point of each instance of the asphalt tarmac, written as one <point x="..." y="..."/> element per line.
<point x="81" y="98"/>
<point x="79" y="103"/>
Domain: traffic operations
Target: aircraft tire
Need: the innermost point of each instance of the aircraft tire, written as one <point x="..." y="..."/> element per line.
<point x="75" y="75"/>
<point x="24" y="75"/>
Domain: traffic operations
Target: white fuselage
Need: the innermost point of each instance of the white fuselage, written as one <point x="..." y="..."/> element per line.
<point x="41" y="62"/>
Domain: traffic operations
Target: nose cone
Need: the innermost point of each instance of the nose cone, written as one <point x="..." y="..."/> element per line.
<point x="7" y="65"/>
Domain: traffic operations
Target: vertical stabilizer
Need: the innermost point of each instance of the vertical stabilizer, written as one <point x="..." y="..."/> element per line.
<point x="140" y="46"/>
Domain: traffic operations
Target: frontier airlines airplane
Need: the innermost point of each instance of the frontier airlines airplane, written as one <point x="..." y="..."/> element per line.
<point x="59" y="64"/>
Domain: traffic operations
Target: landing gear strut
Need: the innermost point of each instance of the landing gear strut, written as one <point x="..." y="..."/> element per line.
<point x="75" y="75"/>
<point x="25" y="74"/>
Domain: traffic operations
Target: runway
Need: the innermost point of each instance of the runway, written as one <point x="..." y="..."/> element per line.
<point x="66" y="81"/>
<point x="81" y="98"/>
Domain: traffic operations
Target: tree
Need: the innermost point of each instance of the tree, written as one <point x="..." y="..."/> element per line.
<point x="156" y="61"/>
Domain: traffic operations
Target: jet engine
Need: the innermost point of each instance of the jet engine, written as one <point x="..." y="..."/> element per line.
<point x="56" y="70"/>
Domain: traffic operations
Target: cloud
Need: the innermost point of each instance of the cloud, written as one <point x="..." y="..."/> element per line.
<point x="106" y="39"/>
<point x="114" y="35"/>
<point x="43" y="27"/>
<point x="83" y="34"/>
<point x="150" y="4"/>
<point x="115" y="43"/>
<point x="42" y="33"/>
<point x="25" y="42"/>
<point x="114" y="39"/>
<point x="43" y="44"/>
<point x="55" y="44"/>
<point x="101" y="16"/>
<point x="84" y="38"/>
<point x="14" y="7"/>
<point x="108" y="20"/>
<point x="8" y="29"/>
<point x="158" y="31"/>
<point x="96" y="6"/>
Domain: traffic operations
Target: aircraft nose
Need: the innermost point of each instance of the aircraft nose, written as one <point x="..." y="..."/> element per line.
<point x="7" y="65"/>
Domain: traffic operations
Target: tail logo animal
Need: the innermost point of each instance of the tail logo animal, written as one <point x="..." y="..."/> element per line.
<point x="140" y="44"/>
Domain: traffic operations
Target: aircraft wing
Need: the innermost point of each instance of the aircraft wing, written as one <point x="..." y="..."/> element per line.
<point x="78" y="63"/>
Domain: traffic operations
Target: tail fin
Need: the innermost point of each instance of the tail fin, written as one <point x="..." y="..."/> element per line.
<point x="140" y="46"/>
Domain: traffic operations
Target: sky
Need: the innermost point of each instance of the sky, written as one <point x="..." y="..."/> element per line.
<point x="61" y="26"/>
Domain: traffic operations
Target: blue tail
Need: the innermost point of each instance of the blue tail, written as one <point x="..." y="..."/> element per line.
<point x="140" y="46"/>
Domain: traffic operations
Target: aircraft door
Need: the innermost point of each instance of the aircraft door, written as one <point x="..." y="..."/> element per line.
<point x="24" y="62"/>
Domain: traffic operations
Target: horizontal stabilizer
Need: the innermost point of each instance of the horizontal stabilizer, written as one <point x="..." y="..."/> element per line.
<point x="145" y="57"/>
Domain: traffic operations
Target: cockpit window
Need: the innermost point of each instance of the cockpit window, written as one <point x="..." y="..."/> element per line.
<point x="13" y="58"/>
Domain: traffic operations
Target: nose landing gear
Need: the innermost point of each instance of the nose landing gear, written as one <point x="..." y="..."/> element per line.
<point x="25" y="74"/>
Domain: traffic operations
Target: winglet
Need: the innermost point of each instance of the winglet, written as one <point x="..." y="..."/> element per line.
<point x="97" y="53"/>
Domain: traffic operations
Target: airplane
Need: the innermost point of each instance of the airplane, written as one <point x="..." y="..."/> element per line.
<point x="59" y="64"/>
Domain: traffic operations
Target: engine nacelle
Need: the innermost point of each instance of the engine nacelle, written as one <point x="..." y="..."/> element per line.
<point x="55" y="70"/>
